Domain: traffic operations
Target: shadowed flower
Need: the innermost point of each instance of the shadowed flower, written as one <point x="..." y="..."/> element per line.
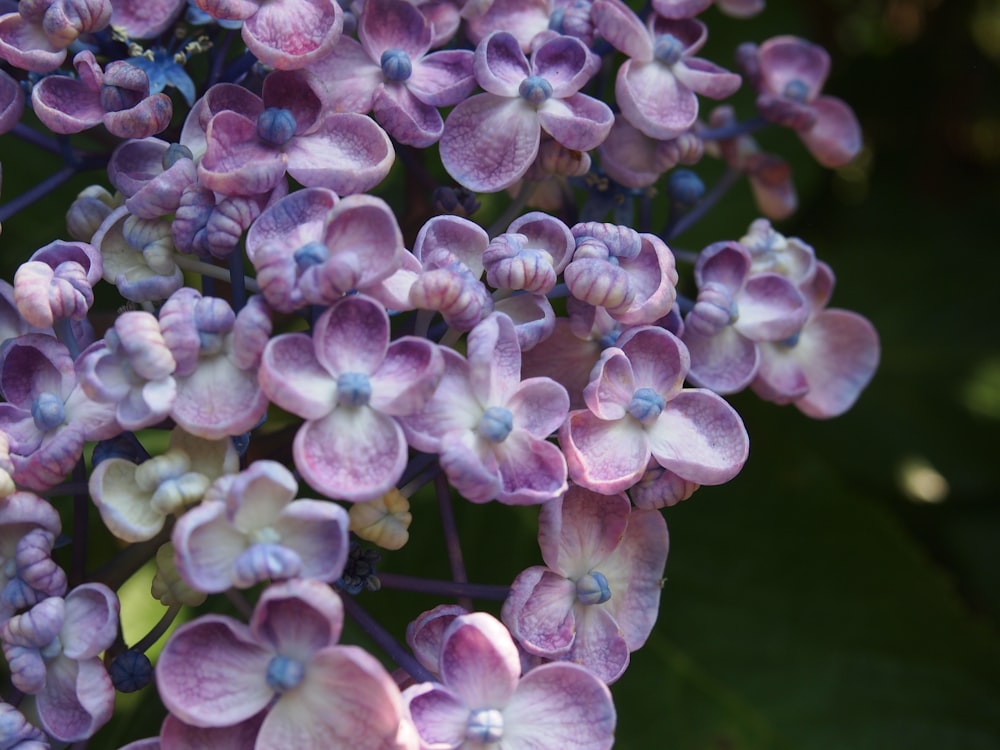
<point x="483" y="700"/>
<point x="218" y="672"/>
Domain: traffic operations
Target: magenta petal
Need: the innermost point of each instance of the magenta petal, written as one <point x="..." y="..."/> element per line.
<point x="560" y="705"/>
<point x="348" y="153"/>
<point x="212" y="673"/>
<point x="347" y="700"/>
<point x="490" y="141"/>
<point x="78" y="699"/>
<point x="699" y="437"/>
<point x="290" y="34"/>
<point x="605" y="456"/>
<point x="545" y="622"/>
<point x="479" y="660"/>
<point x="354" y="454"/>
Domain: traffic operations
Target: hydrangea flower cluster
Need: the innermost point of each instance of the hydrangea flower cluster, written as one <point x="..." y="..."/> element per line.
<point x="319" y="321"/>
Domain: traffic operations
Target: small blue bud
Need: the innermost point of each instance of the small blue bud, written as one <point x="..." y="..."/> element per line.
<point x="48" y="411"/>
<point x="556" y="20"/>
<point x="485" y="726"/>
<point x="174" y="153"/>
<point x="353" y="389"/>
<point x="125" y="446"/>
<point x="276" y="126"/>
<point x="646" y="405"/>
<point x="535" y="90"/>
<point x="130" y="671"/>
<point x="685" y="187"/>
<point x="792" y="341"/>
<point x="796" y="90"/>
<point x="495" y="424"/>
<point x="310" y="254"/>
<point x="668" y="49"/>
<point x="283" y="673"/>
<point x="593" y="588"/>
<point x="396" y="65"/>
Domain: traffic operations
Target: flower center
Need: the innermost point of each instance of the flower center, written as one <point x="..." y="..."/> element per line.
<point x="646" y="405"/>
<point x="311" y="254"/>
<point x="174" y="153"/>
<point x="495" y="424"/>
<point x="593" y="588"/>
<point x="117" y="98"/>
<point x="283" y="673"/>
<point x="796" y="90"/>
<point x="668" y="49"/>
<point x="396" y="65"/>
<point x="276" y="126"/>
<point x="353" y="389"/>
<point x="48" y="411"/>
<point x="485" y="726"/>
<point x="535" y="90"/>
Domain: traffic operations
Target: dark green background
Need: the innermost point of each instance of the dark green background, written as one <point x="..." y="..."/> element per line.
<point x="811" y="603"/>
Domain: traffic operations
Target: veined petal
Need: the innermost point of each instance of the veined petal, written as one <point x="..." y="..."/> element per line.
<point x="579" y="532"/>
<point x="348" y="153"/>
<point x="600" y="644"/>
<point x="578" y="122"/>
<point x="490" y="141"/>
<point x="78" y="699"/>
<point x="653" y="100"/>
<point x="406" y="118"/>
<point x="605" y="456"/>
<point x="290" y="34"/>
<point x="212" y="673"/>
<point x="559" y="706"/>
<point x="659" y="359"/>
<point x="354" y="453"/>
<point x="545" y="623"/>
<point x="499" y="64"/>
<point x="317" y="531"/>
<point x="699" y="437"/>
<point x="494" y="358"/>
<point x="532" y="470"/>
<point x="297" y="618"/>
<point x="206" y="547"/>
<point x="218" y="400"/>
<point x="407" y="377"/>
<point x="623" y="30"/>
<point x="539" y="406"/>
<point x="725" y="363"/>
<point x="392" y="24"/>
<point x="352" y="336"/>
<point x="479" y="661"/>
<point x="443" y="78"/>
<point x="440" y="716"/>
<point x="292" y="377"/>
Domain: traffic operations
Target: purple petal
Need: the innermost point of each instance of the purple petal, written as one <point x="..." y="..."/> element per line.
<point x="299" y="617"/>
<point x="566" y="63"/>
<point x="441" y="717"/>
<point x="66" y="105"/>
<point x="346" y="79"/>
<point x="699" y="437"/>
<point x="653" y="100"/>
<point x="659" y="359"/>
<point x="149" y="117"/>
<point x="290" y="34"/>
<point x="577" y="122"/>
<point x="11" y="102"/>
<point x="560" y="706"/>
<point x="579" y="532"/>
<point x="544" y="622"/>
<point x="406" y="118"/>
<point x="348" y="153"/>
<point x="207" y="547"/>
<point x="91" y="621"/>
<point x="600" y="644"/>
<point x="770" y="308"/>
<point x="317" y="531"/>
<point x="77" y="700"/>
<point x="443" y="78"/>
<point x="532" y="471"/>
<point x="393" y="24"/>
<point x="292" y="377"/>
<point x="407" y="377"/>
<point x="355" y="453"/>
<point x="623" y="30"/>
<point x="352" y="336"/>
<point x="236" y="162"/>
<point x="707" y="78"/>
<point x="835" y="137"/>
<point x="175" y="733"/>
<point x="612" y="385"/>
<point x="788" y="59"/>
<point x="500" y="65"/>
<point x="425" y="634"/>
<point x="212" y="673"/>
<point x="145" y="19"/>
<point x="494" y="358"/>
<point x="490" y="141"/>
<point x="539" y="406"/>
<point x="218" y="400"/>
<point x="605" y="456"/>
<point x="479" y="661"/>
<point x="726" y="362"/>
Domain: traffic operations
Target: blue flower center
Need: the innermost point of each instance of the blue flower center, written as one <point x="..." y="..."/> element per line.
<point x="311" y="254"/>
<point x="485" y="725"/>
<point x="276" y="126"/>
<point x="495" y="424"/>
<point x="646" y="405"/>
<point x="48" y="411"/>
<point x="796" y="90"/>
<point x="535" y="90"/>
<point x="792" y="341"/>
<point x="353" y="389"/>
<point x="668" y="49"/>
<point x="283" y="673"/>
<point x="396" y="65"/>
<point x="593" y="588"/>
<point x="174" y="153"/>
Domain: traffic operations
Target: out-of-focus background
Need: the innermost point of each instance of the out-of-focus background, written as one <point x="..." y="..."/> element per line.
<point x="843" y="593"/>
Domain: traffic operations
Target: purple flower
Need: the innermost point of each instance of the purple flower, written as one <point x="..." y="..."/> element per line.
<point x="28" y="528"/>
<point x="489" y="427"/>
<point x="656" y="87"/>
<point x="822" y="368"/>
<point x="218" y="672"/>
<point x="217" y="353"/>
<point x="117" y="96"/>
<point x="597" y="596"/>
<point x="691" y="8"/>
<point x="788" y="74"/>
<point x="248" y="149"/>
<point x="351" y="385"/>
<point x="36" y="36"/>
<point x="484" y="700"/>
<point x="735" y="310"/>
<point x="16" y="733"/>
<point x="390" y="73"/>
<point x="152" y="174"/>
<point x="145" y="19"/>
<point x="53" y="652"/>
<point x="491" y="139"/>
<point x="138" y="256"/>
<point x="47" y="417"/>
<point x="310" y="248"/>
<point x="286" y="35"/>
<point x="57" y="283"/>
<point x="11" y="102"/>
<point x="249" y="528"/>
<point x="534" y="250"/>
<point x="633" y="159"/>
<point x="637" y="408"/>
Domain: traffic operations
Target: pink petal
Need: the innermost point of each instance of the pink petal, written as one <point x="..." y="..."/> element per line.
<point x="544" y="622"/>
<point x="353" y="454"/>
<point x="577" y="533"/>
<point x="788" y="59"/>
<point x="499" y="65"/>
<point x="290" y="34"/>
<point x="297" y="618"/>
<point x="218" y="400"/>
<point x="578" y="122"/>
<point x="407" y="377"/>
<point x="352" y="336"/>
<point x="212" y="673"/>
<point x="532" y="470"/>
<point x="393" y="24"/>
<point x="605" y="456"/>
<point x="317" y="531"/>
<point x="443" y="78"/>
<point x="653" y="100"/>
<point x="539" y="406"/>
<point x="622" y="29"/>
<point x="559" y="706"/>
<point x="77" y="700"/>
<point x="479" y="661"/>
<point x="835" y="137"/>
<point x="699" y="437"/>
<point x="292" y="377"/>
<point x="600" y="644"/>
<point x="440" y="716"/>
<point x="659" y="359"/>
<point x="348" y="153"/>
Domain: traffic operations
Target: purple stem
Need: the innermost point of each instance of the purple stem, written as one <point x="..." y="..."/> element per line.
<point x="731" y="131"/>
<point x="35" y="138"/>
<point x="443" y="588"/>
<point x="37" y="192"/>
<point x="385" y="641"/>
<point x="684" y="222"/>
<point x="451" y="535"/>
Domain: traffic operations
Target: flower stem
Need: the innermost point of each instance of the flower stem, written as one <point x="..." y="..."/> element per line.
<point x="159" y="629"/>
<point x="187" y="263"/>
<point x="385" y="641"/>
<point x="735" y="129"/>
<point x="451" y="535"/>
<point x="513" y="209"/>
<point x="37" y="192"/>
<point x="443" y="588"/>
<point x="680" y="224"/>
